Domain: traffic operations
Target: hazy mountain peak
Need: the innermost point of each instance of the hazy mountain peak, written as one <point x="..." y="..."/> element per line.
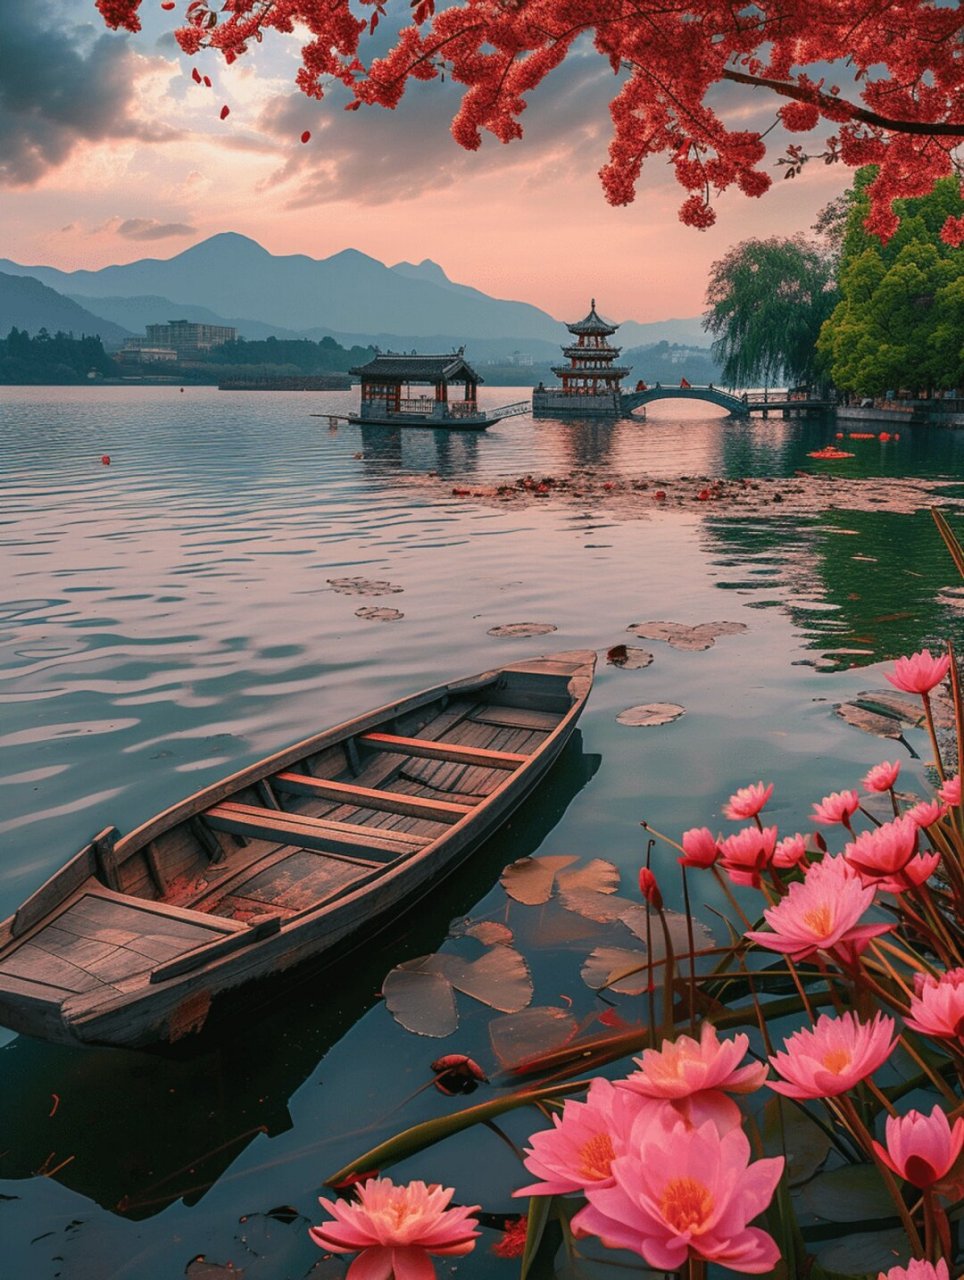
<point x="424" y="270"/>
<point x="227" y="242"/>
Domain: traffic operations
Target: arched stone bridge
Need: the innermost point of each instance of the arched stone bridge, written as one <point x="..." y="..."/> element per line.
<point x="734" y="405"/>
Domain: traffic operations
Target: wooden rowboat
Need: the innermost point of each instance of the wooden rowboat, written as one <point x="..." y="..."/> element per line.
<point x="303" y="854"/>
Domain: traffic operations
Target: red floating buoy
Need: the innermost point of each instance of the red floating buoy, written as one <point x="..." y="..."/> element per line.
<point x="659" y="495"/>
<point x="105" y="459"/>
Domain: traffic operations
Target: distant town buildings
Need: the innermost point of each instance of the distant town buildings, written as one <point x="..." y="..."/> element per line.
<point x="176" y="340"/>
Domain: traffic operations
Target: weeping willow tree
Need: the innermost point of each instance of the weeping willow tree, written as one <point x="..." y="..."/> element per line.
<point x="767" y="300"/>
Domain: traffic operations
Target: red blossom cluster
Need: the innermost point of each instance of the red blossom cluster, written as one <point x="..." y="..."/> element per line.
<point x="904" y="110"/>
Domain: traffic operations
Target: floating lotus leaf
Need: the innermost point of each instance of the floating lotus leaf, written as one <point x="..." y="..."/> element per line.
<point x="679" y="934"/>
<point x="602" y="907"/>
<point x="419" y="995"/>
<point x="520" y="1037"/>
<point x="855" y="1193"/>
<point x="372" y="614"/>
<point x="865" y="1253"/>
<point x="510" y="629"/>
<point x="595" y="876"/>
<point x="798" y="1136"/>
<point x="362" y="587"/>
<point x="868" y="721"/>
<point x="681" y="636"/>
<point x="618" y="969"/>
<point x="650" y="714"/>
<point x="500" y="978"/>
<point x="530" y="880"/>
<point x="202" y="1269"/>
<point x="489" y="932"/>
<point x="630" y="659"/>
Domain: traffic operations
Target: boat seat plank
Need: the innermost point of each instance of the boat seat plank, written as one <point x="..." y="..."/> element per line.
<point x="309" y="833"/>
<point x="516" y="717"/>
<point x="371" y="798"/>
<point x="237" y="907"/>
<point x="129" y="922"/>
<point x="301" y="880"/>
<point x="447" y="751"/>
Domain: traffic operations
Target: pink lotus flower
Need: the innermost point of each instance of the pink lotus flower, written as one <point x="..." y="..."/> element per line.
<point x="917" y="1269"/>
<point x="649" y="888"/>
<point x="833" y="1056"/>
<point x="921" y="1149"/>
<point x="695" y="1076"/>
<point x="747" y="801"/>
<point x="937" y="1008"/>
<point x="837" y="807"/>
<point x="919" y="673"/>
<point x="885" y="857"/>
<point x="950" y="792"/>
<point x="882" y="776"/>
<point x="578" y="1151"/>
<point x="691" y="1196"/>
<point x="700" y="848"/>
<point x="790" y="852"/>
<point x="820" y="913"/>
<point x="394" y="1229"/>
<point x="926" y="813"/>
<point x="744" y="855"/>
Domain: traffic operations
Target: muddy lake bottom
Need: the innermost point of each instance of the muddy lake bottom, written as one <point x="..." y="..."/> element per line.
<point x="241" y="576"/>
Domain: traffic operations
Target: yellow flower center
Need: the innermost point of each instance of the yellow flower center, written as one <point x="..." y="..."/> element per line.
<point x="836" y="1059"/>
<point x="596" y="1157"/>
<point x="686" y="1204"/>
<point x="819" y="919"/>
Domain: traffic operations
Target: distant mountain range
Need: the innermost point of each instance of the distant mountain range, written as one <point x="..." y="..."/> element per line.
<point x="25" y="303"/>
<point x="231" y="279"/>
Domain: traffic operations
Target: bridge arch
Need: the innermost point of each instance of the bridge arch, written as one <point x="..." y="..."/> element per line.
<point x="734" y="405"/>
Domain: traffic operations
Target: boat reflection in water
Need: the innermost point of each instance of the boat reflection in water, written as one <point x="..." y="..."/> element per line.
<point x="136" y="1131"/>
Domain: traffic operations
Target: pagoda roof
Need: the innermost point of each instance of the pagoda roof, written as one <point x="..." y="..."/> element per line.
<point x="592" y="353"/>
<point x="391" y="366"/>
<point x="593" y="323"/>
<point x="578" y="371"/>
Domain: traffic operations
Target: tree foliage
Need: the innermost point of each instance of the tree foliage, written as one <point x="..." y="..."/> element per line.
<point x="899" y="62"/>
<point x="767" y="300"/>
<point x="57" y="359"/>
<point x="298" y="355"/>
<point x="900" y="318"/>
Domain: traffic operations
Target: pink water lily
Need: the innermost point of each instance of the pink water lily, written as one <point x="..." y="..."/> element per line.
<point x="919" y="673"/>
<point x="578" y="1151"/>
<point x="917" y="1269"/>
<point x="700" y="847"/>
<point x="937" y="1007"/>
<point x="696" y="1075"/>
<point x="887" y="856"/>
<point x="747" y="801"/>
<point x="394" y="1229"/>
<point x="692" y="1196"/>
<point x="882" y="776"/>
<point x="950" y="792"/>
<point x="746" y="854"/>
<point x="790" y="852"/>
<point x="926" y="813"/>
<point x="833" y="1056"/>
<point x="839" y="806"/>
<point x="921" y="1149"/>
<point x="821" y="913"/>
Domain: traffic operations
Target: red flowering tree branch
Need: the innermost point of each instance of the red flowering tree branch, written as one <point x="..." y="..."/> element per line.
<point x="903" y="61"/>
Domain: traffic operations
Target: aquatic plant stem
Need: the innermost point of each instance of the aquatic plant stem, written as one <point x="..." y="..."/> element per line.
<point x="865" y="1138"/>
<point x="938" y="762"/>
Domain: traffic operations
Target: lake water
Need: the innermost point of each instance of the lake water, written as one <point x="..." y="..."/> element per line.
<point x="170" y="618"/>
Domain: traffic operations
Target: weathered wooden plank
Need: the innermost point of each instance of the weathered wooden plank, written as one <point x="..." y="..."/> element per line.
<point x="516" y="717"/>
<point x="141" y="918"/>
<point x="369" y="797"/>
<point x="302" y="880"/>
<point x="309" y="833"/>
<point x="29" y="961"/>
<point x="214" y="950"/>
<point x="442" y="751"/>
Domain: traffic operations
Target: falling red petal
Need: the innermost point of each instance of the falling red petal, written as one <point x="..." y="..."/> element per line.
<point x="225" y="112"/>
<point x="306" y="136"/>
<point x="195" y="75"/>
<point x="207" y="82"/>
<point x="167" y="4"/>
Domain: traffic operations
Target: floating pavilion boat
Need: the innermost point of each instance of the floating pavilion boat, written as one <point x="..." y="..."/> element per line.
<point x="414" y="391"/>
<point x="305" y="853"/>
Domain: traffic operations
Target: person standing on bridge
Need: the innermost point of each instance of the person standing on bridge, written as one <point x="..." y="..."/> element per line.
<point x="683" y="383"/>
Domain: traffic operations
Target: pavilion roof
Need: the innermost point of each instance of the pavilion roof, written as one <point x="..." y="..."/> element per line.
<point x="593" y="323"/>
<point x="399" y="367"/>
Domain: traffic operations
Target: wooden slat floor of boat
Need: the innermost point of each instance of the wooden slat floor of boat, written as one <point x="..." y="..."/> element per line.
<point x="445" y="776"/>
<point x="250" y="821"/>
<point x="369" y="798"/>
<point x="515" y="717"/>
<point x="298" y="881"/>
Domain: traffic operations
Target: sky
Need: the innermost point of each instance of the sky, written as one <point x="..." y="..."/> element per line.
<point x="110" y="152"/>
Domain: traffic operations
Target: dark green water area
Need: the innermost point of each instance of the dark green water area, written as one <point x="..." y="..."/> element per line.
<point x="169" y="618"/>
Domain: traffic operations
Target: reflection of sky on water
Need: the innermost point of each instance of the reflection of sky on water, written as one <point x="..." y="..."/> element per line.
<point x="170" y="618"/>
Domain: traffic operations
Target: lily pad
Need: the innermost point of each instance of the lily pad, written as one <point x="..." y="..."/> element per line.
<point x="790" y="1130"/>
<point x="855" y="1193"/>
<point x="628" y="658"/>
<point x="866" y="1252"/>
<point x="420" y="997"/>
<point x="489" y="932"/>
<point x="531" y="880"/>
<point x="500" y="978"/>
<point x="650" y="714"/>
<point x="362" y="586"/>
<point x="201" y="1269"/>
<point x="373" y="614"/>
<point x="617" y="969"/>
<point x="680" y="636"/>
<point x="510" y="629"/>
<point x="520" y="1037"/>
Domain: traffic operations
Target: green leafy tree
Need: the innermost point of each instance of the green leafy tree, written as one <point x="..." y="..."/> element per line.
<point x="900" y="319"/>
<point x="767" y="300"/>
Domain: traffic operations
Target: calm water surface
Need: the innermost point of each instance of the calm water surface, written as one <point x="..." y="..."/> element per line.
<point x="170" y="618"/>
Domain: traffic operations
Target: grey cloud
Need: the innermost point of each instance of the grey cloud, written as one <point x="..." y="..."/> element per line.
<point x="61" y="84"/>
<point x="151" y="229"/>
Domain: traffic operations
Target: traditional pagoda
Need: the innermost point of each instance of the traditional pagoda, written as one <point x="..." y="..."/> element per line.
<point x="590" y="381"/>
